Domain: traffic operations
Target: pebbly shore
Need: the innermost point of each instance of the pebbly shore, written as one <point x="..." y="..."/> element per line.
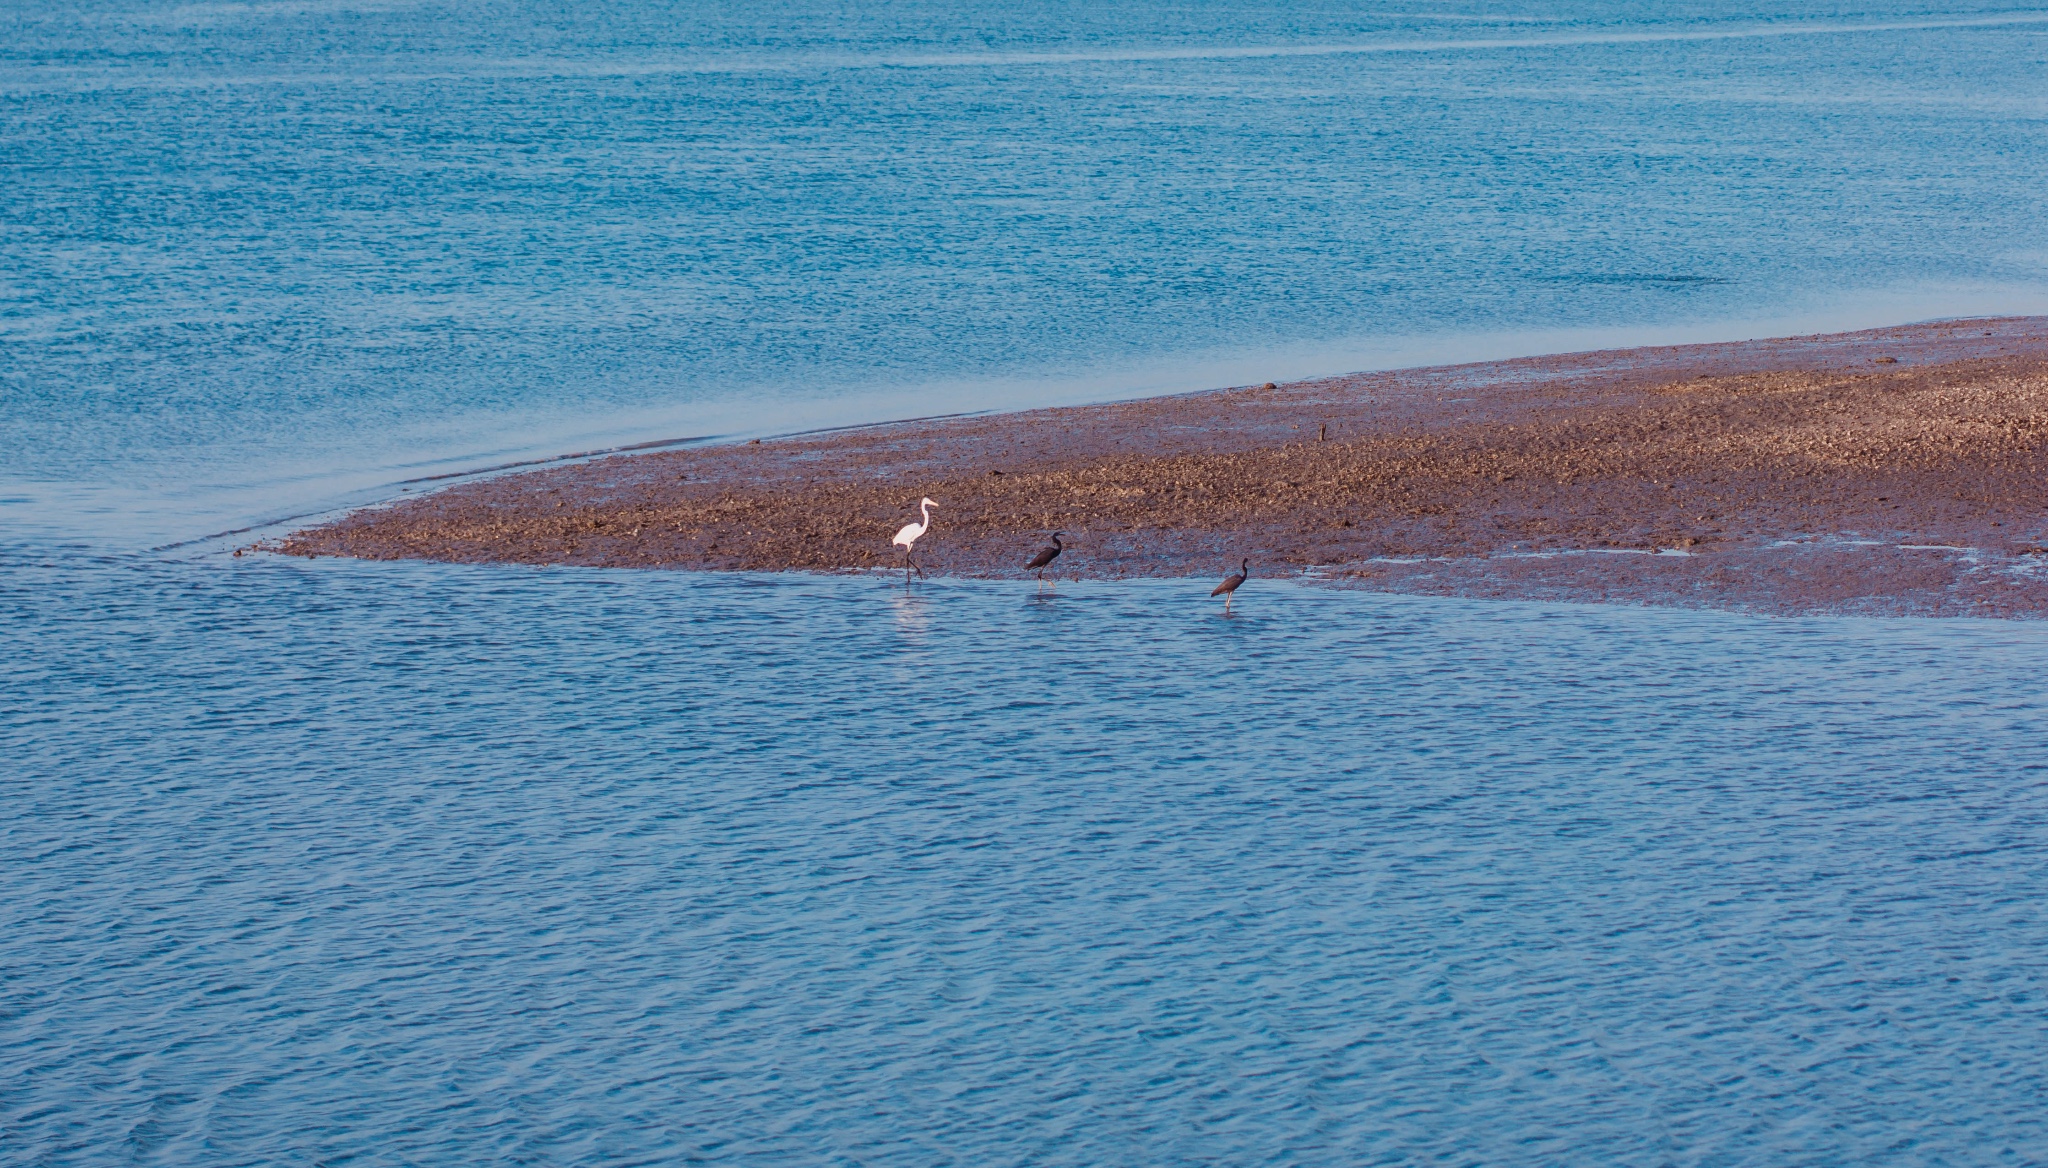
<point x="1898" y="471"/>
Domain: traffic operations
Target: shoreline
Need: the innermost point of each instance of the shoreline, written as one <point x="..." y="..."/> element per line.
<point x="1893" y="471"/>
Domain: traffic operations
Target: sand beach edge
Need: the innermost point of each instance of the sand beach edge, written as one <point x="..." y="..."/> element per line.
<point x="1895" y="471"/>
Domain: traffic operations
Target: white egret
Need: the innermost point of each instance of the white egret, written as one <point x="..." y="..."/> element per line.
<point x="910" y="534"/>
<point x="1231" y="584"/>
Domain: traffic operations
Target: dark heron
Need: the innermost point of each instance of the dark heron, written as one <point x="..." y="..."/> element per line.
<point x="1046" y="555"/>
<point x="1231" y="584"/>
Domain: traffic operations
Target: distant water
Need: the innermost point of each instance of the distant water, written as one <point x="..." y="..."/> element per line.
<point x="259" y="255"/>
<point x="400" y="864"/>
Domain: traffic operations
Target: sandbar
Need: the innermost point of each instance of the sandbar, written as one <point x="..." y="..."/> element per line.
<point x="1895" y="471"/>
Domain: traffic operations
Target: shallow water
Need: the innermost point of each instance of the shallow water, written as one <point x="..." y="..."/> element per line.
<point x="261" y="255"/>
<point x="375" y="864"/>
<point x="355" y="863"/>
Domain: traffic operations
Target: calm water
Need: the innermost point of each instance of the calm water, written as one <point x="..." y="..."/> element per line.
<point x="439" y="866"/>
<point x="339" y="863"/>
<point x="260" y="254"/>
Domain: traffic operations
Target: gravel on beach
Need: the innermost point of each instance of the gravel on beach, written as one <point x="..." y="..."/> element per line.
<point x="1892" y="471"/>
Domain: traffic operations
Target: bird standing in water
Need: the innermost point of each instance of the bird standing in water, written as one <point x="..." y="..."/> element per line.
<point x="1046" y="556"/>
<point x="1231" y="584"/>
<point x="910" y="534"/>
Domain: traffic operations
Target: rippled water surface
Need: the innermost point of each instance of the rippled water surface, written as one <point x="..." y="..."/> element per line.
<point x="343" y="863"/>
<point x="368" y="864"/>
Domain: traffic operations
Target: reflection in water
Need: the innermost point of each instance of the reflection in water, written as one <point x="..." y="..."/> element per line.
<point x="415" y="864"/>
<point x="913" y="614"/>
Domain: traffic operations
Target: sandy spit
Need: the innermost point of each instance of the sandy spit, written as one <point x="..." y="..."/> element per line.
<point x="1894" y="471"/>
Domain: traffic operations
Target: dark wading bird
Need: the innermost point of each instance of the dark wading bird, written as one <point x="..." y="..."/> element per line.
<point x="910" y="534"/>
<point x="1231" y="584"/>
<point x="1046" y="555"/>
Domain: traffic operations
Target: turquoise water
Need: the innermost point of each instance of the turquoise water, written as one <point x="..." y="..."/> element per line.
<point x="352" y="863"/>
<point x="262" y="255"/>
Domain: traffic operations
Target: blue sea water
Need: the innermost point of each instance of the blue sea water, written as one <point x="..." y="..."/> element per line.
<point x="259" y="255"/>
<point x="348" y="863"/>
<point x="438" y="865"/>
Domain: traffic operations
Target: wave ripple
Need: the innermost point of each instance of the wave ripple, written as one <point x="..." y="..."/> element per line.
<point x="414" y="864"/>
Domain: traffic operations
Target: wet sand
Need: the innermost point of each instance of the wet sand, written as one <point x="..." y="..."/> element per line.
<point x="1893" y="471"/>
